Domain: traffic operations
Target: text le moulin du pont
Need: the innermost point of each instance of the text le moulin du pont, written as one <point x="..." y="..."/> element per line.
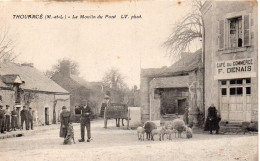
<point x="63" y="17"/>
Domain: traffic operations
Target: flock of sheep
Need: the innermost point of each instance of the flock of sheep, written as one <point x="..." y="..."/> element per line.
<point x="175" y="127"/>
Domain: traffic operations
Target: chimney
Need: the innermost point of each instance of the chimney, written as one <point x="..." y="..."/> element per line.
<point x="65" y="68"/>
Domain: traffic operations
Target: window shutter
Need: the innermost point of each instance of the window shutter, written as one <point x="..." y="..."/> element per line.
<point x="247" y="30"/>
<point x="221" y="34"/>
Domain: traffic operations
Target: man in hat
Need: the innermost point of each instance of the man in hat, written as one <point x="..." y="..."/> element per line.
<point x="2" y="119"/>
<point x="14" y="116"/>
<point x="24" y="118"/>
<point x="86" y="114"/>
<point x="30" y="117"/>
<point x="64" y="120"/>
<point x="7" y="118"/>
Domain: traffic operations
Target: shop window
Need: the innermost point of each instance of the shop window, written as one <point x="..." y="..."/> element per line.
<point x="223" y="82"/>
<point x="248" y="90"/>
<point x="233" y="81"/>
<point x="240" y="81"/>
<point x="224" y="91"/>
<point x="239" y="91"/>
<point x="232" y="91"/>
<point x="248" y="81"/>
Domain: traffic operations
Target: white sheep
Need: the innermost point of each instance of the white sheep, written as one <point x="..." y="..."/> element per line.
<point x="173" y="131"/>
<point x="158" y="132"/>
<point x="188" y="132"/>
<point x="140" y="133"/>
<point x="179" y="125"/>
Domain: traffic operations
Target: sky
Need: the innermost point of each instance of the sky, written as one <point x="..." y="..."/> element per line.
<point x="96" y="44"/>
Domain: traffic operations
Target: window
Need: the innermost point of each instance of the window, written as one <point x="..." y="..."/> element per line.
<point x="224" y="91"/>
<point x="232" y="91"/>
<point x="239" y="91"/>
<point x="236" y="81"/>
<point x="248" y="90"/>
<point x="248" y="81"/>
<point x="234" y="32"/>
<point x="223" y="82"/>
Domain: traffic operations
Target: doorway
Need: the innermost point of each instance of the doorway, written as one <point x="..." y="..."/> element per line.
<point x="47" y="116"/>
<point x="182" y="103"/>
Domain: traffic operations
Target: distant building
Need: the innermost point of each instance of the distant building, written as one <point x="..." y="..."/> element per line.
<point x="80" y="90"/>
<point x="23" y="85"/>
<point x="166" y="92"/>
<point x="231" y="59"/>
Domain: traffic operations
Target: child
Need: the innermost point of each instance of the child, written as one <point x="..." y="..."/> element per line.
<point x="70" y="135"/>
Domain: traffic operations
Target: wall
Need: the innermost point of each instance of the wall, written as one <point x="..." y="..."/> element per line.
<point x="7" y="97"/>
<point x="46" y="100"/>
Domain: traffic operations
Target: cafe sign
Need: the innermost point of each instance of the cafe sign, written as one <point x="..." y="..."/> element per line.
<point x="240" y="68"/>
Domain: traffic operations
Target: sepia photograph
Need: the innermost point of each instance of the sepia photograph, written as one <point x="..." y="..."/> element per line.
<point x="129" y="80"/>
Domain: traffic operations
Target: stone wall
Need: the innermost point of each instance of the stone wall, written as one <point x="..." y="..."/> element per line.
<point x="7" y="97"/>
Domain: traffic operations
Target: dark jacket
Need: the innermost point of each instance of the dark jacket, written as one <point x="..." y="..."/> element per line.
<point x="86" y="114"/>
<point x="30" y="115"/>
<point x="14" y="113"/>
<point x="65" y="120"/>
<point x="212" y="122"/>
<point x="2" y="114"/>
<point x="24" y="113"/>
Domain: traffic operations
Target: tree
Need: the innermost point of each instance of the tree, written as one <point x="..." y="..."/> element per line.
<point x="115" y="85"/>
<point x="114" y="80"/>
<point x="74" y="67"/>
<point x="186" y="31"/>
<point x="6" y="47"/>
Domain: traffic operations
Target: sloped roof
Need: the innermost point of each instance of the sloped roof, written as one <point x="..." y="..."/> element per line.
<point x="188" y="62"/>
<point x="3" y="85"/>
<point x="34" y="79"/>
<point x="11" y="78"/>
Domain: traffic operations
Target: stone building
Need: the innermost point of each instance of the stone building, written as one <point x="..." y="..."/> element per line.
<point x="23" y="85"/>
<point x="167" y="91"/>
<point x="231" y="59"/>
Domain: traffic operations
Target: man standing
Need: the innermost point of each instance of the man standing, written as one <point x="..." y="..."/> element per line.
<point x="30" y="117"/>
<point x="86" y="114"/>
<point x="2" y="119"/>
<point x="14" y="115"/>
<point x="7" y="118"/>
<point x="24" y="118"/>
<point x="64" y="120"/>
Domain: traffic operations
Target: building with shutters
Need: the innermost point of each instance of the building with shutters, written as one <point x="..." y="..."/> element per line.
<point x="231" y="59"/>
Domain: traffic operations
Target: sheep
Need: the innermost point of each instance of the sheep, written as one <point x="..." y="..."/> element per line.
<point x="188" y="132"/>
<point x="158" y="132"/>
<point x="140" y="133"/>
<point x="179" y="125"/>
<point x="171" y="132"/>
<point x="148" y="127"/>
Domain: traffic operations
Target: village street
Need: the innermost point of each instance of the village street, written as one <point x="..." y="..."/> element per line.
<point x="120" y="144"/>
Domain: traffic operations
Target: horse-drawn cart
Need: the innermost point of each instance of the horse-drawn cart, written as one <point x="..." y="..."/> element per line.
<point x="116" y="111"/>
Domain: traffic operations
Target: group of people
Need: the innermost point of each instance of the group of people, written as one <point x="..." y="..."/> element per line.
<point x="66" y="123"/>
<point x="9" y="119"/>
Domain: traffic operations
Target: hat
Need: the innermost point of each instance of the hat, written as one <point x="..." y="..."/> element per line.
<point x="7" y="106"/>
<point x="30" y="108"/>
<point x="64" y="107"/>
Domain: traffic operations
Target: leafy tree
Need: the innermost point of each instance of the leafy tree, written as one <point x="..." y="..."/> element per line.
<point x="74" y="67"/>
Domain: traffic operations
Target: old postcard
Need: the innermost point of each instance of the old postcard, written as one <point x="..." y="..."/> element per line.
<point x="129" y="80"/>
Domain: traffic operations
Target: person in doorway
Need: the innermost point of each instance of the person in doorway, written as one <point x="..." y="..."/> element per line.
<point x="2" y="119"/>
<point x="24" y="118"/>
<point x="212" y="122"/>
<point x="86" y="114"/>
<point x="30" y="117"/>
<point x="64" y="120"/>
<point x="7" y="118"/>
<point x="186" y="116"/>
<point x="14" y="116"/>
